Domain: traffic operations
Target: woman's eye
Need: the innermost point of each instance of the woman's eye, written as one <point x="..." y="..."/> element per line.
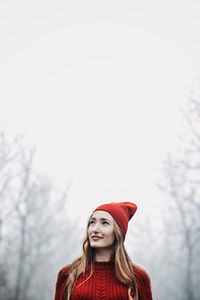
<point x="104" y="222"/>
<point x="92" y="222"/>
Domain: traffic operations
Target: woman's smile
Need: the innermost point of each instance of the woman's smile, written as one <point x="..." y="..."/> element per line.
<point x="96" y="238"/>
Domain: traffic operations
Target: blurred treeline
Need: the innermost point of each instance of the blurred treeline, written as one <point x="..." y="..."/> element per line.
<point x="36" y="237"/>
<point x="171" y="253"/>
<point x="180" y="252"/>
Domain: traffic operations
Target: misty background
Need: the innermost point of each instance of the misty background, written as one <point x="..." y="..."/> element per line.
<point x="99" y="102"/>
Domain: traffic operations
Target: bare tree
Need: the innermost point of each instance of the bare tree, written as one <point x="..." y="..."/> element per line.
<point x="182" y="214"/>
<point x="33" y="219"/>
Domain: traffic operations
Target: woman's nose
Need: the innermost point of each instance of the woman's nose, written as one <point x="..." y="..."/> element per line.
<point x="96" y="227"/>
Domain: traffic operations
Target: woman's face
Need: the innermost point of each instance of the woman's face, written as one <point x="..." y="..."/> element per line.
<point x="101" y="230"/>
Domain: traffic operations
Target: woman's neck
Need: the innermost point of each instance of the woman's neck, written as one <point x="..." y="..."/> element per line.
<point x="103" y="254"/>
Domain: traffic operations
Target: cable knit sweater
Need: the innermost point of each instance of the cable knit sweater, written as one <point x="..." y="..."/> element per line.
<point x="103" y="284"/>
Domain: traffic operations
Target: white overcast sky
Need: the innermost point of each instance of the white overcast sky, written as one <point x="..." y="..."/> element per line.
<point x="96" y="86"/>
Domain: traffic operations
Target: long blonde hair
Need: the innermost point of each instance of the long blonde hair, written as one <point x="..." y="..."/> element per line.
<point x="123" y="264"/>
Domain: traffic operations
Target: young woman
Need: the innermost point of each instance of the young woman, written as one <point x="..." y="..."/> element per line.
<point x="104" y="271"/>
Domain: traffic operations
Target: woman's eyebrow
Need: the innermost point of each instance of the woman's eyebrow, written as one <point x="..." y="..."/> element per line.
<point x="102" y="219"/>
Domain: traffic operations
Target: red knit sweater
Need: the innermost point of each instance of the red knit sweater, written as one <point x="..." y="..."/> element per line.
<point x="103" y="284"/>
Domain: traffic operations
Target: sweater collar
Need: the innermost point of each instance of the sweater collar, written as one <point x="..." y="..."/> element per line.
<point x="104" y="265"/>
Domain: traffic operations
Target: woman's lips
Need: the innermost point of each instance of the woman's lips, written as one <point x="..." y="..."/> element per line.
<point x="96" y="238"/>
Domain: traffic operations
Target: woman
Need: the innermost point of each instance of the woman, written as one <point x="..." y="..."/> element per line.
<point x="104" y="271"/>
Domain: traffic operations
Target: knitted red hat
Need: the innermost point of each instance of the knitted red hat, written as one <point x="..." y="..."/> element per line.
<point x="122" y="212"/>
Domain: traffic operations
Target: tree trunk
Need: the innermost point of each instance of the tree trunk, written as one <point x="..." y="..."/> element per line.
<point x="18" y="289"/>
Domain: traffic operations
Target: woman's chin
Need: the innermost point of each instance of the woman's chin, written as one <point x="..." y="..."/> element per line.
<point x="95" y="245"/>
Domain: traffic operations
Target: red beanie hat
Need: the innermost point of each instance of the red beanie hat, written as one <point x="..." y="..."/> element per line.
<point x="122" y="212"/>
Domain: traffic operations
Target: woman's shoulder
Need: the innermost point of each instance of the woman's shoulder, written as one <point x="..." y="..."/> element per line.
<point x="143" y="283"/>
<point x="63" y="272"/>
<point x="65" y="269"/>
<point x="140" y="274"/>
<point x="61" y="282"/>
